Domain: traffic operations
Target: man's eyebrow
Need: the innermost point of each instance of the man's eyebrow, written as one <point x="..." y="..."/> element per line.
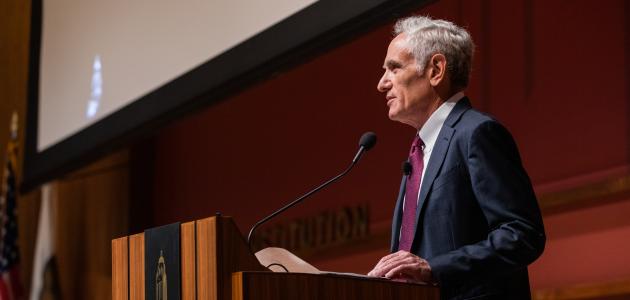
<point x="392" y="64"/>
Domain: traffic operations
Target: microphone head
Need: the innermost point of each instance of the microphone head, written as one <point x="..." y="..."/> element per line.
<point x="406" y="167"/>
<point x="368" y="140"/>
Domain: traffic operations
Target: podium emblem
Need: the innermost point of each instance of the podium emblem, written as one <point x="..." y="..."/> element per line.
<point x="160" y="279"/>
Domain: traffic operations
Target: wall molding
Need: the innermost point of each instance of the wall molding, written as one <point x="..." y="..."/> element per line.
<point x="618" y="289"/>
<point x="586" y="195"/>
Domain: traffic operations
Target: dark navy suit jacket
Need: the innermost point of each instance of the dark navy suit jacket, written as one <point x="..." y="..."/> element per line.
<point x="478" y="221"/>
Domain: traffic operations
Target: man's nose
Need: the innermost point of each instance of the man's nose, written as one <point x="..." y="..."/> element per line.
<point x="384" y="84"/>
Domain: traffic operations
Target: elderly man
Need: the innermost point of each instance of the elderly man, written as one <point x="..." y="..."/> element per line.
<point x="466" y="216"/>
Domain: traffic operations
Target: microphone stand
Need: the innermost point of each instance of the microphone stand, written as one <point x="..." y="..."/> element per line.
<point x="298" y="200"/>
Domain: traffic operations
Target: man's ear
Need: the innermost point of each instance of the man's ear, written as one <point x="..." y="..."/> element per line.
<point x="437" y="67"/>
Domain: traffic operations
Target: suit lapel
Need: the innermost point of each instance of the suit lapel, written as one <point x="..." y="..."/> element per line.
<point x="438" y="154"/>
<point x="435" y="162"/>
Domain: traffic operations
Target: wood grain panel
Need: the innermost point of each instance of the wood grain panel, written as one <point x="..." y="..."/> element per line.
<point x="237" y="283"/>
<point x="136" y="267"/>
<point x="221" y="250"/>
<point x="206" y="263"/>
<point x="188" y="259"/>
<point x="120" y="267"/>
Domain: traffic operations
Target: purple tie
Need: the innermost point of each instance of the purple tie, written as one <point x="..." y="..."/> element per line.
<point x="412" y="187"/>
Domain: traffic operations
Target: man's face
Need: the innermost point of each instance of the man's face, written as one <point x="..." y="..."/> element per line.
<point x="407" y="90"/>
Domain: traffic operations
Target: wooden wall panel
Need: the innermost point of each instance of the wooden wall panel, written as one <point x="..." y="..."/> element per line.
<point x="92" y="209"/>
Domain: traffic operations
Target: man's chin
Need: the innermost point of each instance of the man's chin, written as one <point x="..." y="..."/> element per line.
<point x="397" y="118"/>
<point x="394" y="116"/>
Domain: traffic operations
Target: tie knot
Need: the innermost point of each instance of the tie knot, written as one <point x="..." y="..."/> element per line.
<point x="417" y="144"/>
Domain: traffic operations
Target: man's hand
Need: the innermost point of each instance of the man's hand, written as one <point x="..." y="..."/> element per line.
<point x="403" y="266"/>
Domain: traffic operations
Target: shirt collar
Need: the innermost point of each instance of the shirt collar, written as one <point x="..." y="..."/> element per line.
<point x="430" y="130"/>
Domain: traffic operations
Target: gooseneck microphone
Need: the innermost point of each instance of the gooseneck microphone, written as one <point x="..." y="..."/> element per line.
<point x="366" y="143"/>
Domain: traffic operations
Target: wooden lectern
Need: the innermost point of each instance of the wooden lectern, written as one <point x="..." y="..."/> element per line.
<point x="216" y="263"/>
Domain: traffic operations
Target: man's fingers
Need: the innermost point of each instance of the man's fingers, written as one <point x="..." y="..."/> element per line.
<point x="392" y="261"/>
<point x="404" y="269"/>
<point x="379" y="270"/>
<point x="392" y="258"/>
<point x="383" y="267"/>
<point x="400" y="260"/>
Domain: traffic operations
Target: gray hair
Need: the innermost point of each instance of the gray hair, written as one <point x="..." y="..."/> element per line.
<point x="426" y="37"/>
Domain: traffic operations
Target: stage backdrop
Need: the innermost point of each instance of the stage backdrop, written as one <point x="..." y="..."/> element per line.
<point x="561" y="88"/>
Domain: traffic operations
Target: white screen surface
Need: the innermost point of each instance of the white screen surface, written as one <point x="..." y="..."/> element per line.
<point x="98" y="56"/>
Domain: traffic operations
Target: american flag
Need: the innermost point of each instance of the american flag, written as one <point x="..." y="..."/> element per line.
<point x="10" y="283"/>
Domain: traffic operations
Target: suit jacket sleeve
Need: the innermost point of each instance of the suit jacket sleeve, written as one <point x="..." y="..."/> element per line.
<point x="506" y="199"/>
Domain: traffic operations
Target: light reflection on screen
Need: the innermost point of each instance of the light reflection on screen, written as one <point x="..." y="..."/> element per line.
<point x="96" y="88"/>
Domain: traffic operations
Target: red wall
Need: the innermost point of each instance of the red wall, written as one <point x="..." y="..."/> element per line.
<point x="555" y="72"/>
<point x="587" y="245"/>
